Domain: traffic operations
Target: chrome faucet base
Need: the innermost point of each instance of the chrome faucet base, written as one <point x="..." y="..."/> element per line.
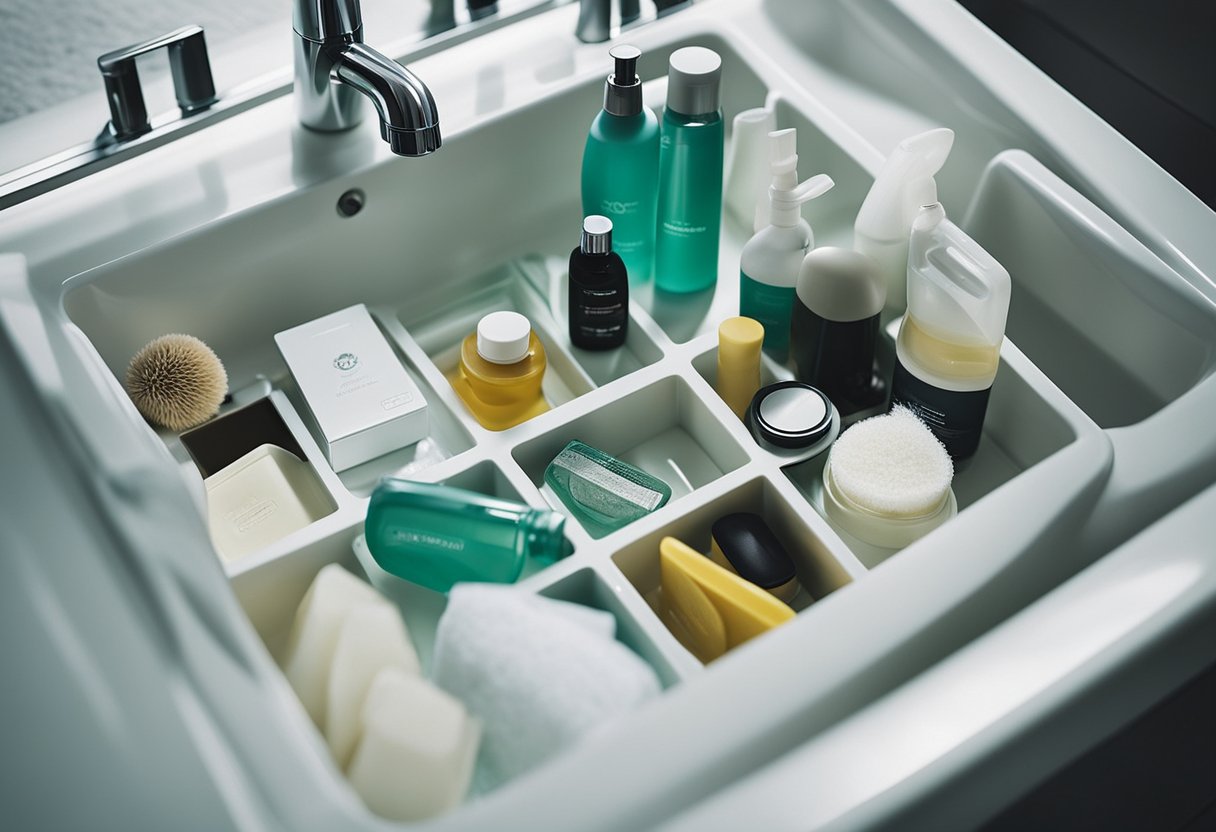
<point x="335" y="71"/>
<point x="321" y="103"/>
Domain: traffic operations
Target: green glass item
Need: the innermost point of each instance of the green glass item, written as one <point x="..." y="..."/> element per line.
<point x="603" y="492"/>
<point x="621" y="166"/>
<point x="690" y="174"/>
<point x="438" y="536"/>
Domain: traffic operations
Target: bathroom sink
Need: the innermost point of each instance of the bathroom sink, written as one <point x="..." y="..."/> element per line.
<point x="234" y="233"/>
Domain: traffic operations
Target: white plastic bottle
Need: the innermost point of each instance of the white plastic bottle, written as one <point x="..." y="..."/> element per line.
<point x="949" y="345"/>
<point x="884" y="221"/>
<point x="768" y="267"/>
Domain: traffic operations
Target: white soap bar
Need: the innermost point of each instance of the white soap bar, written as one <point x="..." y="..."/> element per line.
<point x="371" y="638"/>
<point x="415" y="757"/>
<point x="359" y="395"/>
<point x="263" y="496"/>
<point x="314" y="634"/>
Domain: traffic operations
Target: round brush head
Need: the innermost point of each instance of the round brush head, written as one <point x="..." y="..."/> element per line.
<point x="177" y="382"/>
<point x="892" y="465"/>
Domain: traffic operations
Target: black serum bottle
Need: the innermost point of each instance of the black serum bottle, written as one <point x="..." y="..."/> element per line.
<point x="599" y="289"/>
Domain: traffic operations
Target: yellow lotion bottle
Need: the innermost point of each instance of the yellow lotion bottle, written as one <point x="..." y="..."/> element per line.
<point x="501" y="368"/>
<point x="711" y="610"/>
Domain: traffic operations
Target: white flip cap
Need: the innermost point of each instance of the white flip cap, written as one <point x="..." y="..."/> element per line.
<point x="502" y="337"/>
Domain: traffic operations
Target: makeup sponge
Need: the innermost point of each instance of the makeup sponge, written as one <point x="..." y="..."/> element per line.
<point x="892" y="465"/>
<point x="418" y="747"/>
<point x="316" y="633"/>
<point x="538" y="673"/>
<point x="372" y="638"/>
<point x="177" y="382"/>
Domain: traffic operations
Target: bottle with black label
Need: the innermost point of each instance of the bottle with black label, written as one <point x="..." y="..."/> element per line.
<point x="834" y="329"/>
<point x="949" y="345"/>
<point x="599" y="289"/>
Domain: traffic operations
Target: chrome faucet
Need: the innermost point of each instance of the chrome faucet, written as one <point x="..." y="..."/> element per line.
<point x="335" y="70"/>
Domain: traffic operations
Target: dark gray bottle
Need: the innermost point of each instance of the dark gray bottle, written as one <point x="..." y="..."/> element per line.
<point x="834" y="329"/>
<point x="599" y="289"/>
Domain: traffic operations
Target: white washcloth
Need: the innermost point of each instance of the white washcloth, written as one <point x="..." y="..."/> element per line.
<point x="539" y="673"/>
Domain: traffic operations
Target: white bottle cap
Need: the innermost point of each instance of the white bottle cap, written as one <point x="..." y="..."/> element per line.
<point x="502" y="337"/>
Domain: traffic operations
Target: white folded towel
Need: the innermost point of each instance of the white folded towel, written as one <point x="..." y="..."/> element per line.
<point x="539" y="673"/>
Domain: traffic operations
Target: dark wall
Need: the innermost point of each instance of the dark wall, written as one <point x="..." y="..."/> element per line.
<point x="1147" y="68"/>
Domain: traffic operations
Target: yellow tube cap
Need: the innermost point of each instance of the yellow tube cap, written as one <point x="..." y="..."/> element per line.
<point x="739" y="343"/>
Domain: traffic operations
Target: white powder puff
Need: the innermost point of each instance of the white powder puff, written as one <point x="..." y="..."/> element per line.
<point x="892" y="465"/>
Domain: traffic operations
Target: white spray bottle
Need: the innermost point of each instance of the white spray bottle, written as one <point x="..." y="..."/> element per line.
<point x="769" y="264"/>
<point x="884" y="222"/>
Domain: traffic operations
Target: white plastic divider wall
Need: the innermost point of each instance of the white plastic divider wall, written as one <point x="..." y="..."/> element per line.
<point x="651" y="403"/>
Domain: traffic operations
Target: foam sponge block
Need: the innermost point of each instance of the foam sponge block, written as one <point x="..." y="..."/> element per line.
<point x="372" y="637"/>
<point x="315" y="632"/>
<point x="539" y="673"/>
<point x="892" y="465"/>
<point x="417" y="748"/>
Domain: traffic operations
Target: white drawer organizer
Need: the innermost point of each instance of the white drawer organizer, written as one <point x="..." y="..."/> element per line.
<point x="242" y="242"/>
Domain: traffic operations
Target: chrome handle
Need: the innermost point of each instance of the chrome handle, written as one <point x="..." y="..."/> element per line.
<point x="192" y="80"/>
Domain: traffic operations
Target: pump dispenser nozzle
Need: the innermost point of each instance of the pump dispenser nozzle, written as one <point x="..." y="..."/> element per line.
<point x="785" y="195"/>
<point x="623" y="91"/>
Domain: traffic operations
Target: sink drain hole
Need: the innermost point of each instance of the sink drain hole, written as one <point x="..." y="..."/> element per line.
<point x="351" y="202"/>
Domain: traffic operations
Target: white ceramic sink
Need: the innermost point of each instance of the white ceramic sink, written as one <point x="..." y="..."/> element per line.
<point x="1095" y="427"/>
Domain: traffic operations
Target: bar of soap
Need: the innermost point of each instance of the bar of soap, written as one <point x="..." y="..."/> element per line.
<point x="314" y="634"/>
<point x="416" y="754"/>
<point x="372" y="637"/>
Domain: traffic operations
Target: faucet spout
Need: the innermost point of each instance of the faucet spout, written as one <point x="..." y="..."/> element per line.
<point x="336" y="71"/>
<point x="409" y="119"/>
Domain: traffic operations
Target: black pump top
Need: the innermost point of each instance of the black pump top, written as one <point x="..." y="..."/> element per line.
<point x="623" y="92"/>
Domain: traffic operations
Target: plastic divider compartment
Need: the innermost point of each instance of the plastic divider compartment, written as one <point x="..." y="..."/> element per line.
<point x="551" y="278"/>
<point x="1115" y="328"/>
<point x="821" y="571"/>
<point x="664" y="428"/>
<point x="684" y="316"/>
<point x="1023" y="427"/>
<point x="440" y="320"/>
<point x="251" y="359"/>
<point x="421" y="607"/>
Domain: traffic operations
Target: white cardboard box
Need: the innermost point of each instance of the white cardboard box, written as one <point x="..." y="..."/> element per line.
<point x="361" y="400"/>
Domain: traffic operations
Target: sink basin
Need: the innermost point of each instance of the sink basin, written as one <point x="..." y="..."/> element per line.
<point x="232" y="235"/>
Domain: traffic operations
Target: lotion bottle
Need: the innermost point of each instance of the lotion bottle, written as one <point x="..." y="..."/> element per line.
<point x="690" y="173"/>
<point x="835" y="327"/>
<point x="949" y="345"/>
<point x="621" y="165"/>
<point x="768" y="266"/>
